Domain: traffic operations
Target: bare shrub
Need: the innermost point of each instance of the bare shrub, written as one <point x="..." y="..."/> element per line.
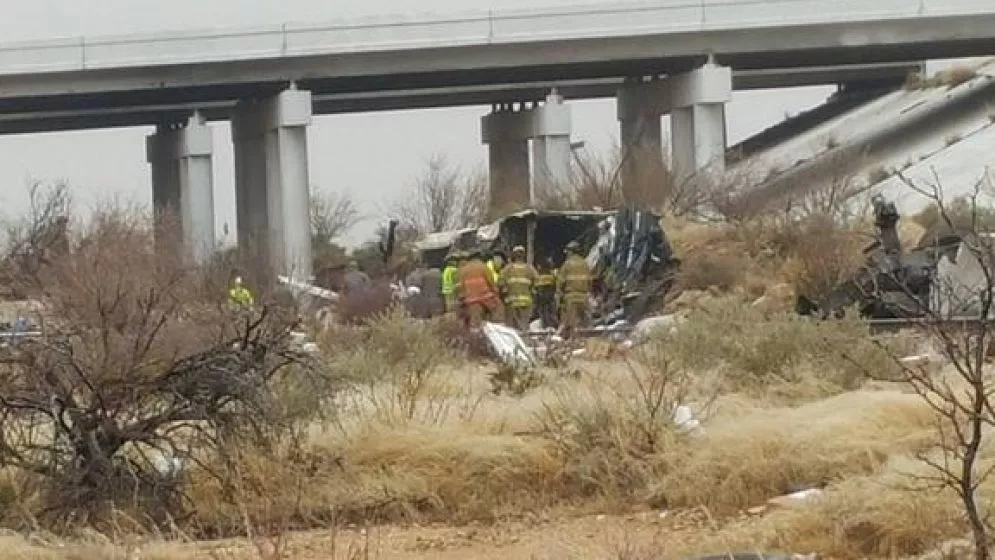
<point x="599" y="184"/>
<point x="953" y="77"/>
<point x="611" y="440"/>
<point x="331" y="217"/>
<point x="820" y="254"/>
<point x="357" y="308"/>
<point x="596" y="186"/>
<point x="956" y="215"/>
<point x="39" y="237"/>
<point x="722" y="271"/>
<point x="780" y="354"/>
<point x="136" y="373"/>
<point x="443" y="199"/>
<point x="397" y="363"/>
<point x="962" y="401"/>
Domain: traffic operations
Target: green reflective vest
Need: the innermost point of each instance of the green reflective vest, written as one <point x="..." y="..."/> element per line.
<point x="449" y="279"/>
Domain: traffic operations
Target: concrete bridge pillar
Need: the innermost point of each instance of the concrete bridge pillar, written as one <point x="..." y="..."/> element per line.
<point x="640" y="106"/>
<point x="698" y="125"/>
<point x="550" y="146"/>
<point x="272" y="181"/>
<point x="183" y="186"/>
<point x="506" y="133"/>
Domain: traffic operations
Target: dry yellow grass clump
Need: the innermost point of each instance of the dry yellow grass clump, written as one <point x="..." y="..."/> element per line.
<point x="744" y="459"/>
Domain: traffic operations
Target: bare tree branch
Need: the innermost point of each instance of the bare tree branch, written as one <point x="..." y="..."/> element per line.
<point x="444" y="198"/>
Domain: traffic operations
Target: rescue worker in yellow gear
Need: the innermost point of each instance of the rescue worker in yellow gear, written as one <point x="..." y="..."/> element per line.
<point x="495" y="269"/>
<point x="449" y="280"/>
<point x="239" y="296"/>
<point x="517" y="280"/>
<point x="573" y="286"/>
<point x="545" y="293"/>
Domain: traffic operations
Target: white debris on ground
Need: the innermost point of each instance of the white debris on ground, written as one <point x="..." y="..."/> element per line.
<point x="167" y="465"/>
<point x="537" y="327"/>
<point x="508" y="345"/>
<point x="307" y="288"/>
<point x="685" y="419"/>
<point x="796" y="499"/>
<point x="650" y="326"/>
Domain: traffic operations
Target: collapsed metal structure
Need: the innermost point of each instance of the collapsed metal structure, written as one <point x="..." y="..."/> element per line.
<point x="628" y="252"/>
<point x="935" y="277"/>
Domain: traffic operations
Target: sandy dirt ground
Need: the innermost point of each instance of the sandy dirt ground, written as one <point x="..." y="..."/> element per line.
<point x="647" y="535"/>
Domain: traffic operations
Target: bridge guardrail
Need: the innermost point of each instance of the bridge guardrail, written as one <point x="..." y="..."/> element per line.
<point x="472" y="28"/>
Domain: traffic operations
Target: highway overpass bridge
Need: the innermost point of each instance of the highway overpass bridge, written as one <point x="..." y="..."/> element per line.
<point x="677" y="57"/>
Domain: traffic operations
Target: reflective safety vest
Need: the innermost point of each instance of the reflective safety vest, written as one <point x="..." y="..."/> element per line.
<point x="475" y="283"/>
<point x="495" y="276"/>
<point x="240" y="295"/>
<point x="517" y="279"/>
<point x="546" y="280"/>
<point x="574" y="280"/>
<point x="449" y="278"/>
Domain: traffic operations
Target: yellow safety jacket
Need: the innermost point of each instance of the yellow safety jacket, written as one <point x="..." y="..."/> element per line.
<point x="517" y="280"/>
<point x="574" y="280"/>
<point x="241" y="296"/>
<point x="495" y="276"/>
<point x="449" y="279"/>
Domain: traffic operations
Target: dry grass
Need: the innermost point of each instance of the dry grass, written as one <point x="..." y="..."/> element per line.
<point x="95" y="547"/>
<point x="419" y="436"/>
<point x="744" y="459"/>
<point x="603" y="438"/>
<point x="779" y="356"/>
<point x="812" y="254"/>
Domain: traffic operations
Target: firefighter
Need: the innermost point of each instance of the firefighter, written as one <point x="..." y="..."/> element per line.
<point x="494" y="267"/>
<point x="239" y="297"/>
<point x="449" y="281"/>
<point x="573" y="287"/>
<point x="477" y="291"/>
<point x="517" y="280"/>
<point x="545" y="293"/>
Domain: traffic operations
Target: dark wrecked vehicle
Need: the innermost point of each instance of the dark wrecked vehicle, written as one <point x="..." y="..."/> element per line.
<point x="628" y="252"/>
<point x="892" y="284"/>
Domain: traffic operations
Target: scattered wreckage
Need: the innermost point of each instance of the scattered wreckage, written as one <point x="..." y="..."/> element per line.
<point x="627" y="250"/>
<point x="940" y="277"/>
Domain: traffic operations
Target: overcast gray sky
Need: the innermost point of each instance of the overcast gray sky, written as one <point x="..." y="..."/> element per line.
<point x="373" y="157"/>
